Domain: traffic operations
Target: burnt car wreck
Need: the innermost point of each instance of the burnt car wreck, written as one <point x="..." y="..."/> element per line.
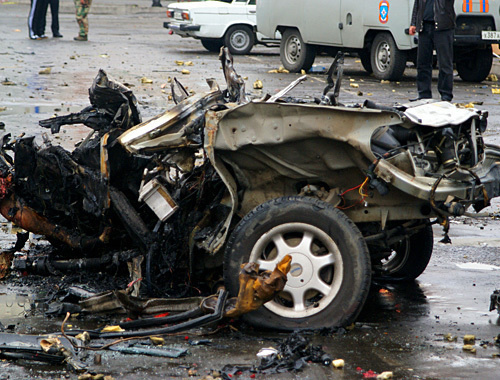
<point x="219" y="180"/>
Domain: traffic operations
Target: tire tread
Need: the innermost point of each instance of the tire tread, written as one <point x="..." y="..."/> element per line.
<point x="316" y="205"/>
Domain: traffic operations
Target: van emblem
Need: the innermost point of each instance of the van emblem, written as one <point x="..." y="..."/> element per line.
<point x="383" y="11"/>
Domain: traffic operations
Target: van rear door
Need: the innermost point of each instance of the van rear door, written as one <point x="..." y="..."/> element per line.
<point x="321" y="23"/>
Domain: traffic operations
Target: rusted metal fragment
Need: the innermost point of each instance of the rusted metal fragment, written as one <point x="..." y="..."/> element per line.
<point x="235" y="83"/>
<point x="5" y="262"/>
<point x="25" y="217"/>
<point x="135" y="270"/>
<point x="211" y="126"/>
<point x="183" y="92"/>
<point x="287" y="89"/>
<point x="173" y="128"/>
<point x="131" y="219"/>
<point x="113" y="106"/>
<point x="120" y="301"/>
<point x="255" y="288"/>
<point x="53" y="345"/>
<point x="42" y="348"/>
<point x="336" y="69"/>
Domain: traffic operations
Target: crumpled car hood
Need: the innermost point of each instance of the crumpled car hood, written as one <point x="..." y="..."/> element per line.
<point x="438" y="114"/>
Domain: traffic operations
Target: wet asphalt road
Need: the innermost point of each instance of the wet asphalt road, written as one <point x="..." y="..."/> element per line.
<point x="401" y="329"/>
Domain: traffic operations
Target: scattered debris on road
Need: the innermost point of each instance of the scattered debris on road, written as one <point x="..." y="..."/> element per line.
<point x="185" y="200"/>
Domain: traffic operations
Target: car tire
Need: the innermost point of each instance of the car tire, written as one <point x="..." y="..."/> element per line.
<point x="239" y="39"/>
<point x="212" y="44"/>
<point x="408" y="258"/>
<point x="295" y="54"/>
<point x="364" y="56"/>
<point x="387" y="61"/>
<point x="474" y="65"/>
<point x="330" y="274"/>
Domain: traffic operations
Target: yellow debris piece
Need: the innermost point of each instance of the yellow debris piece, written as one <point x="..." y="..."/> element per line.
<point x="469" y="339"/>
<point x="386" y="375"/>
<point x="157" y="341"/>
<point x="449" y="337"/>
<point x="112" y="329"/>
<point x="45" y="71"/>
<point x="338" y="363"/>
<point x="492" y="78"/>
<point x="470" y="348"/>
<point x="258" y="84"/>
<point x="280" y="70"/>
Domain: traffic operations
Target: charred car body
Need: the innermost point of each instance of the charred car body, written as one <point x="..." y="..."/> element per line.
<point x="348" y="191"/>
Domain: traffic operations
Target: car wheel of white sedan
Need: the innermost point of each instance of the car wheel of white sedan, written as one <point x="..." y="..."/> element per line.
<point x="239" y="39"/>
<point x="330" y="271"/>
<point x="212" y="44"/>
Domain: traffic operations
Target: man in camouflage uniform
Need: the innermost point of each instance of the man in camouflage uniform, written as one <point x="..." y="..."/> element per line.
<point x="82" y="10"/>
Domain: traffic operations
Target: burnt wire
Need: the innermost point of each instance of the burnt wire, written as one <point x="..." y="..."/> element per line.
<point x="361" y="192"/>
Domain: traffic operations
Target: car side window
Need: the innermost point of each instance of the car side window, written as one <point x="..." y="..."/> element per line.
<point x="252" y="2"/>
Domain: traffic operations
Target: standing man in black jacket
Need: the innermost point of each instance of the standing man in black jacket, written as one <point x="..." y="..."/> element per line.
<point x="434" y="20"/>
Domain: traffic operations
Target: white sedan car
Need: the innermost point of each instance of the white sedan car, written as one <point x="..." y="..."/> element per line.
<point x="217" y="23"/>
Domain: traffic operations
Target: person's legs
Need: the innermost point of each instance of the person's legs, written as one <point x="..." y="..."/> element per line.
<point x="82" y="10"/>
<point x="36" y="19"/>
<point x="424" y="62"/>
<point x="41" y="15"/>
<point x="444" y="48"/>
<point x="32" y="20"/>
<point x="54" y="12"/>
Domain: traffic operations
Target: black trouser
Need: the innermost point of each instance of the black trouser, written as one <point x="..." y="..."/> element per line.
<point x="37" y="14"/>
<point x="54" y="13"/>
<point x="441" y="40"/>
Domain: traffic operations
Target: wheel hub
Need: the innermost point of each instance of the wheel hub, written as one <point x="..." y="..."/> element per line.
<point x="314" y="280"/>
<point x="239" y="40"/>
<point x="301" y="271"/>
<point x="293" y="50"/>
<point x="383" y="57"/>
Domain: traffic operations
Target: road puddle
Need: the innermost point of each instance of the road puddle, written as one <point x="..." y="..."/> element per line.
<point x="14" y="306"/>
<point x="38" y="109"/>
<point x="477" y="266"/>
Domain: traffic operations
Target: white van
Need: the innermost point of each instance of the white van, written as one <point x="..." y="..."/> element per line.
<point x="378" y="31"/>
